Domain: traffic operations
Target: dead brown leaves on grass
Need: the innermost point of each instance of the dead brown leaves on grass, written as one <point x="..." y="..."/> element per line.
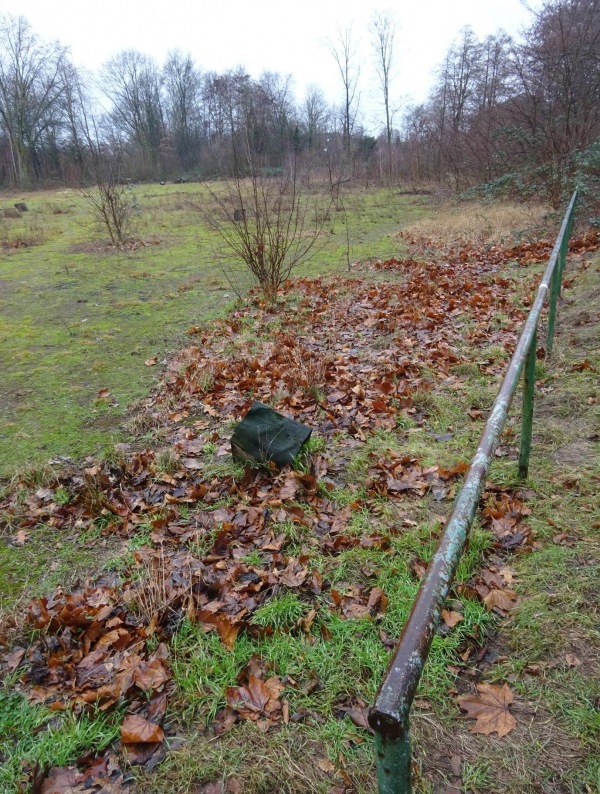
<point x="93" y="648"/>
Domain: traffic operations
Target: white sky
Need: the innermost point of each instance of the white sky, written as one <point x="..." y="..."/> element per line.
<point x="286" y="36"/>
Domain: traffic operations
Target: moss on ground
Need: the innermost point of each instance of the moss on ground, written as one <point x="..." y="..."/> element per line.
<point x="78" y="317"/>
<point x="552" y="748"/>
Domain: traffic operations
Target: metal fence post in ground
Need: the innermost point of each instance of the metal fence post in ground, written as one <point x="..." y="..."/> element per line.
<point x="554" y="290"/>
<point x="562" y="260"/>
<point x="527" y="420"/>
<point x="393" y="762"/>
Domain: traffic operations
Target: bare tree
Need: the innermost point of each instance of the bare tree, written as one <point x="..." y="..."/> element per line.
<point x="342" y="48"/>
<point x="183" y="102"/>
<point x="76" y="104"/>
<point x="556" y="107"/>
<point x="383" y="34"/>
<point x="133" y="83"/>
<point x="451" y="97"/>
<point x="315" y="115"/>
<point x="31" y="86"/>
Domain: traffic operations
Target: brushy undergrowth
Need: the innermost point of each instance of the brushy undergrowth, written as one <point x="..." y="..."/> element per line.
<point x="477" y="223"/>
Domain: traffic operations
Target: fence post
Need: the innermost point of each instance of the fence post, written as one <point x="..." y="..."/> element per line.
<point x="564" y="249"/>
<point x="527" y="420"/>
<point x="554" y="290"/>
<point x="393" y="762"/>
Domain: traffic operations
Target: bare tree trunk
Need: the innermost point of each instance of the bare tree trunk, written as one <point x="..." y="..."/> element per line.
<point x="383" y="32"/>
<point x="342" y="50"/>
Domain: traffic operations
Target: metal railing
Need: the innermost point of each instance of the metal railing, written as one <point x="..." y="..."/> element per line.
<point x="389" y="717"/>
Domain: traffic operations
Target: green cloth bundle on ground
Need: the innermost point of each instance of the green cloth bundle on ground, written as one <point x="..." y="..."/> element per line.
<point x="264" y="435"/>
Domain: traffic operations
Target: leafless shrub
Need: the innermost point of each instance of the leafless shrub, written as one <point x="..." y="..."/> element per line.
<point x="111" y="204"/>
<point x="268" y="223"/>
<point x="155" y="594"/>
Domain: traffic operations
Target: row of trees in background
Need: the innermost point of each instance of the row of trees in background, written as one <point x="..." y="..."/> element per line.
<point x="516" y="114"/>
<point x="152" y="122"/>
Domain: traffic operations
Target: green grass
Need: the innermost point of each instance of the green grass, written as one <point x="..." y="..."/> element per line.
<point x="48" y="559"/>
<point x="554" y="746"/>
<point x="78" y="318"/>
<point x="31" y="735"/>
<point x="280" y="613"/>
<point x="337" y="661"/>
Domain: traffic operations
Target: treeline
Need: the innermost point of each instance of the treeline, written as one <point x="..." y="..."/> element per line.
<point x="519" y="115"/>
<point x="167" y="122"/>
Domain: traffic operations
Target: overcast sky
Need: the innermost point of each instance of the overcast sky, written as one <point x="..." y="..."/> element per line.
<point x="286" y="36"/>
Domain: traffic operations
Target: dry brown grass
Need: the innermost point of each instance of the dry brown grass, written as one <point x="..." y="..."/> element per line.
<point x="479" y="223"/>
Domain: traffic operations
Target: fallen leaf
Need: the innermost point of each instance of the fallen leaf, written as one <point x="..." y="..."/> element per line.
<point x="14" y="658"/>
<point x="21" y="537"/>
<point x="226" y="629"/>
<point x="151" y="675"/>
<point x="60" y="781"/>
<point x="148" y="754"/>
<point x="306" y="622"/>
<point x="419" y="703"/>
<point x="572" y="660"/>
<point x="582" y="365"/>
<point x="489" y="707"/>
<point x="451" y="618"/>
<point x="225" y="720"/>
<point x="325" y="765"/>
<point x="359" y="716"/>
<point x="503" y="600"/>
<point x="137" y="730"/>
<point x="150" y="362"/>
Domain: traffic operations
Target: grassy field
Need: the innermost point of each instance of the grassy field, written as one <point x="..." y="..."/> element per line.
<point x="323" y="648"/>
<point x="78" y="317"/>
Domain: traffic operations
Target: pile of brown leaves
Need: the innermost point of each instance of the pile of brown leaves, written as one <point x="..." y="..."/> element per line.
<point x="351" y="358"/>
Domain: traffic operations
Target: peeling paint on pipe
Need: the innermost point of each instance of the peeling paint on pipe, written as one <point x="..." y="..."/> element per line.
<point x="389" y="717"/>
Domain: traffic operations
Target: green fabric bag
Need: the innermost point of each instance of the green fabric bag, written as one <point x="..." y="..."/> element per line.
<point x="264" y="435"/>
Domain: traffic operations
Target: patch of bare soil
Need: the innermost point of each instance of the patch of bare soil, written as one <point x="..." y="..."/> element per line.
<point x="575" y="453"/>
<point x="99" y="247"/>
